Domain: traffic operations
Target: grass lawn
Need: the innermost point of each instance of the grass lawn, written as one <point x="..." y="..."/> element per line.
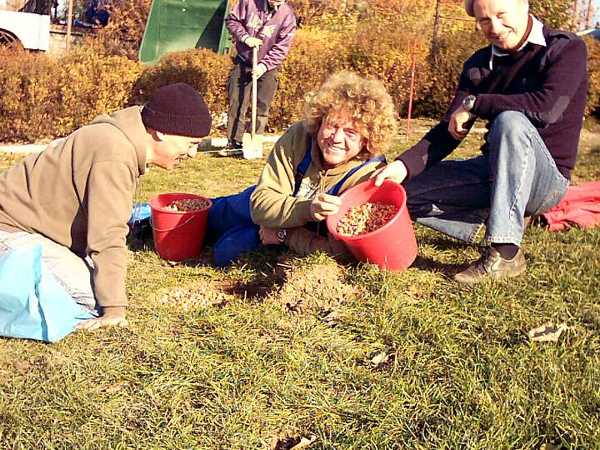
<point x="279" y="348"/>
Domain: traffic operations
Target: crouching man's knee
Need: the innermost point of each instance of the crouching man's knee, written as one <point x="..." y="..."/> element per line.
<point x="511" y="139"/>
<point x="509" y="124"/>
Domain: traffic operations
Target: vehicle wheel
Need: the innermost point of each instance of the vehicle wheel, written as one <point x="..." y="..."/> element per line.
<point x="9" y="40"/>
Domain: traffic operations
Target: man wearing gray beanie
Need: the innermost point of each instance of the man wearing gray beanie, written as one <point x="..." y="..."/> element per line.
<point x="75" y="198"/>
<point x="530" y="86"/>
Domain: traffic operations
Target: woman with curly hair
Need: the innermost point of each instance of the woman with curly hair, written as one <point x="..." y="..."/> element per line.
<point x="348" y="123"/>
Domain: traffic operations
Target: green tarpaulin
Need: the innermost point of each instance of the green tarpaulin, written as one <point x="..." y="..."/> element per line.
<point x="175" y="25"/>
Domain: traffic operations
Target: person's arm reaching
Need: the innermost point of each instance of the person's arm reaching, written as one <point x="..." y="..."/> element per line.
<point x="438" y="143"/>
<point x="109" y="200"/>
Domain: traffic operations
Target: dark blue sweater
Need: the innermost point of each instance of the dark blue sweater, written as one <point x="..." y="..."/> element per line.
<point x="547" y="84"/>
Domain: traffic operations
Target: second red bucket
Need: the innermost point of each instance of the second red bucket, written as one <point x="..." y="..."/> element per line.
<point x="178" y="235"/>
<point x="393" y="246"/>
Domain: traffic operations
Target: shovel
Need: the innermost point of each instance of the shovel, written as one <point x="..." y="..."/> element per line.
<point x="252" y="147"/>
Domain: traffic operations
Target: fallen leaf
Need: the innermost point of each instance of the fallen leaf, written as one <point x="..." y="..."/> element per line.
<point x="304" y="443"/>
<point x="291" y="442"/>
<point x="295" y="307"/>
<point x="547" y="446"/>
<point x="22" y="365"/>
<point x="380" y="359"/>
<point x="332" y="318"/>
<point x="115" y="388"/>
<point x="547" y="332"/>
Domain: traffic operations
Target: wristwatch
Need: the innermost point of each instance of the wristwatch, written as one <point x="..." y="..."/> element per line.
<point x="469" y="102"/>
<point x="282" y="235"/>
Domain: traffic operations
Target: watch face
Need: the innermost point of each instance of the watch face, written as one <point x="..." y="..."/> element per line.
<point x="469" y="102"/>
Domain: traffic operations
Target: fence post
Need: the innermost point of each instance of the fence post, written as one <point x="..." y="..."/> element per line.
<point x="588" y="16"/>
<point x="436" y="30"/>
<point x="69" y="23"/>
<point x="412" y="88"/>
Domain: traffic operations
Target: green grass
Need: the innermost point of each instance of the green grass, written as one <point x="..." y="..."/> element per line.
<point x="228" y="364"/>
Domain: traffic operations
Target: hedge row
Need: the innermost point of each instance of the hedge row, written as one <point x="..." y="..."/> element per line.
<point x="593" y="104"/>
<point x="41" y="97"/>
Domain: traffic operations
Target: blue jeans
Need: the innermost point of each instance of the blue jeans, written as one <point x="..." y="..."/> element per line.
<point x="517" y="177"/>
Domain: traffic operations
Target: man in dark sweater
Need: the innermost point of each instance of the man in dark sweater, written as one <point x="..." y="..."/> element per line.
<point x="530" y="85"/>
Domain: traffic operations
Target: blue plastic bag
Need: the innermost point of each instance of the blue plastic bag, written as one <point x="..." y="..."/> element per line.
<point x="33" y="305"/>
<point x="140" y="226"/>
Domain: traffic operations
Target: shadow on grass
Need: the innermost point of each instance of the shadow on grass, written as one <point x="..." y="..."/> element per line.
<point x="267" y="274"/>
<point x="267" y="278"/>
<point x="441" y="244"/>
<point x="431" y="265"/>
<point x="255" y="290"/>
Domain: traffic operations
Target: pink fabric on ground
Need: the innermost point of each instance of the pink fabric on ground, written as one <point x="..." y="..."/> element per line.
<point x="579" y="207"/>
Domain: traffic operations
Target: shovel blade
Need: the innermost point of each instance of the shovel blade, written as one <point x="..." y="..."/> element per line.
<point x="252" y="148"/>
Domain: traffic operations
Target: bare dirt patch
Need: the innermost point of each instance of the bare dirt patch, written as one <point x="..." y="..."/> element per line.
<point x="203" y="294"/>
<point x="315" y="288"/>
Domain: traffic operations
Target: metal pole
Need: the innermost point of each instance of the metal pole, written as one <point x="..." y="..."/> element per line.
<point x="588" y="16"/>
<point x="436" y="30"/>
<point x="69" y="22"/>
<point x="412" y="89"/>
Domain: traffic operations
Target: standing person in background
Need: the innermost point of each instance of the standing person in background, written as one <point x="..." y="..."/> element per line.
<point x="97" y="12"/>
<point x="530" y="85"/>
<point x="270" y="26"/>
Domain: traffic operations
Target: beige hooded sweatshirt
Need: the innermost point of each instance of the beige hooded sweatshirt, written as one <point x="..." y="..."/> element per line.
<point x="79" y="192"/>
<point x="274" y="205"/>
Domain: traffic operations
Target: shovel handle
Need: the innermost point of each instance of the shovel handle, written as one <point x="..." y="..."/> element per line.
<point x="254" y="88"/>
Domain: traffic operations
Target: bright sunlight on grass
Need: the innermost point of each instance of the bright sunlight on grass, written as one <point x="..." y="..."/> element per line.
<point x="279" y="348"/>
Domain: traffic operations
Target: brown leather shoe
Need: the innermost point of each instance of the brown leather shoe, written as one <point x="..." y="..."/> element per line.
<point x="492" y="265"/>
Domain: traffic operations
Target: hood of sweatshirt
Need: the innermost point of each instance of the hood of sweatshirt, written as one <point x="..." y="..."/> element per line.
<point x="129" y="121"/>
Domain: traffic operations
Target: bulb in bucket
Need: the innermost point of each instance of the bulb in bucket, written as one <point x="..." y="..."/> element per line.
<point x="375" y="226"/>
<point x="179" y="224"/>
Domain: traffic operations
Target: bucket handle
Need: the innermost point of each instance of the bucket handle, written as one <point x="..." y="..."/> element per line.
<point x="177" y="226"/>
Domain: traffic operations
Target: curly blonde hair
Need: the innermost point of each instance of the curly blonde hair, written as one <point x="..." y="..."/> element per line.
<point x="366" y="101"/>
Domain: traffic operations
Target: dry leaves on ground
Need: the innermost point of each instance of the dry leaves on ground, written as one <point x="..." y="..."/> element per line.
<point x="547" y="332"/>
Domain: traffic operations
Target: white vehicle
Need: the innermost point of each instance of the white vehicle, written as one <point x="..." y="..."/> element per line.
<point x="27" y="30"/>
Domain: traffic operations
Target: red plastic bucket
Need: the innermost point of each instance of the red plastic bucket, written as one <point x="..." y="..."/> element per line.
<point x="178" y="235"/>
<point x="393" y="246"/>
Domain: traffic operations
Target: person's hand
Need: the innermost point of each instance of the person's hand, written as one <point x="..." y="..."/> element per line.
<point x="111" y="317"/>
<point x="460" y="122"/>
<point x="260" y="70"/>
<point x="253" y="42"/>
<point x="268" y="236"/>
<point x="324" y="205"/>
<point x="395" y="171"/>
